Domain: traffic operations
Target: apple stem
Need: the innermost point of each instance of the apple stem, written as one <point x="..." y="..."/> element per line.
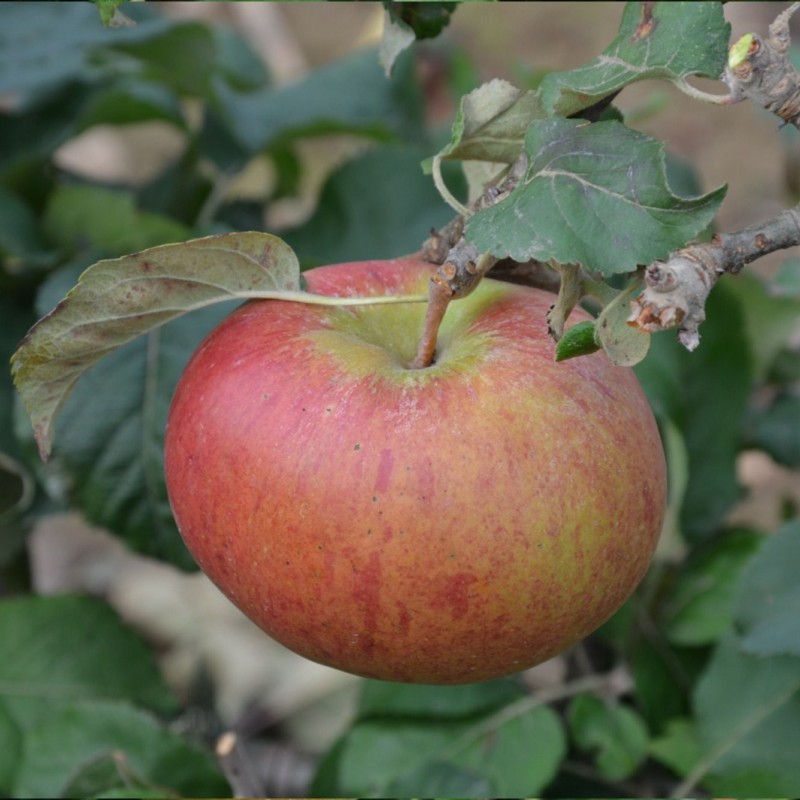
<point x="439" y="296"/>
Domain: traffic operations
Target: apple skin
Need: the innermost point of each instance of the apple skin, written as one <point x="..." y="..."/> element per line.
<point x="444" y="525"/>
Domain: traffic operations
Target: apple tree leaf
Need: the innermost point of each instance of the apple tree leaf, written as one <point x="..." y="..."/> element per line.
<point x="117" y="300"/>
<point x="614" y="733"/>
<point x="768" y="603"/>
<point x="624" y="345"/>
<point x="593" y="194"/>
<point x="491" y="122"/>
<point x="666" y="40"/>
<point x="747" y="720"/>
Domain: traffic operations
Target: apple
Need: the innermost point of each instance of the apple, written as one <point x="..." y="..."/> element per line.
<point x="441" y="525"/>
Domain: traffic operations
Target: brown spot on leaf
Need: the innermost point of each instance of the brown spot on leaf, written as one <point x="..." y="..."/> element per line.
<point x="648" y="24"/>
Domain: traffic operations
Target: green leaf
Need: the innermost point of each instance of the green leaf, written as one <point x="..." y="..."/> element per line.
<point x="354" y="221"/>
<point x="595" y="195"/>
<point x="700" y="608"/>
<point x="679" y="747"/>
<point x="55" y="651"/>
<point x="768" y="601"/>
<point x="440" y="780"/>
<point x="747" y="717"/>
<point x="105" y="219"/>
<point x="771" y="321"/>
<point x="775" y="429"/>
<point x="705" y="394"/>
<point x="118" y="300"/>
<point x="679" y="40"/>
<point x="399" y="700"/>
<point x="350" y="96"/>
<point x="624" y="345"/>
<point x="132" y="101"/>
<point x="615" y="734"/>
<point x="491" y="123"/>
<point x="10" y="753"/>
<point x="22" y="241"/>
<point x="45" y="46"/>
<point x="520" y="756"/>
<point x="515" y="757"/>
<point x="578" y="340"/>
<point x="140" y="752"/>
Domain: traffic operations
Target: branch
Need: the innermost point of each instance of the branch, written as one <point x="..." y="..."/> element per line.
<point x="760" y="70"/>
<point x="676" y="290"/>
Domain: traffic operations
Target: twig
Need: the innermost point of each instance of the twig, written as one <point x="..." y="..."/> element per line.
<point x="676" y="289"/>
<point x="760" y="70"/>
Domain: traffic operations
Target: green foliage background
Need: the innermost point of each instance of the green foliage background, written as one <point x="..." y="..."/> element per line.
<point x="708" y="648"/>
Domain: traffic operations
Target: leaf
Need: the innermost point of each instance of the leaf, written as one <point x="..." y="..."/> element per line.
<point x="515" y="757"/>
<point x="578" y="340"/>
<point x="520" y="756"/>
<point x="679" y="39"/>
<point x="137" y="748"/>
<point x="105" y="219"/>
<point x="747" y="717"/>
<point x="22" y="241"/>
<point x="700" y="607"/>
<point x="349" y="96"/>
<point x="48" y="661"/>
<point x="775" y="429"/>
<point x="615" y="734"/>
<point x="43" y="47"/>
<point x="118" y="300"/>
<point x="624" y="345"/>
<point x="595" y="195"/>
<point x="397" y="37"/>
<point x="353" y="221"/>
<point x="771" y="321"/>
<point x="679" y="747"/>
<point x="491" y="123"/>
<point x="768" y="601"/>
<point x="705" y="394"/>
<point x="399" y="700"/>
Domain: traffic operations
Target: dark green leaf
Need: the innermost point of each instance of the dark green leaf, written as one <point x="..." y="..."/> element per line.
<point x="615" y="734"/>
<point x="699" y="609"/>
<point x="747" y="717"/>
<point x="47" y="45"/>
<point x="349" y="96"/>
<point x="771" y="321"/>
<point x="768" y="602"/>
<point x="520" y="756"/>
<point x="705" y="394"/>
<point x="143" y="753"/>
<point x="132" y="101"/>
<point x="355" y="221"/>
<point x="517" y="756"/>
<point x="776" y="429"/>
<point x="105" y="219"/>
<point x="679" y="748"/>
<point x="440" y="780"/>
<point x="593" y="194"/>
<point x="399" y="700"/>
<point x="679" y="39"/>
<point x="181" y="57"/>
<point x="22" y="241"/>
<point x="55" y="651"/>
<point x="10" y="752"/>
<point x="111" y="435"/>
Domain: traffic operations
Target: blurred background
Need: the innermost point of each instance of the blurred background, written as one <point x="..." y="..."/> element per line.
<point x="212" y="117"/>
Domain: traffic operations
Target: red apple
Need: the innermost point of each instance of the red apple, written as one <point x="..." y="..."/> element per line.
<point x="443" y="525"/>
